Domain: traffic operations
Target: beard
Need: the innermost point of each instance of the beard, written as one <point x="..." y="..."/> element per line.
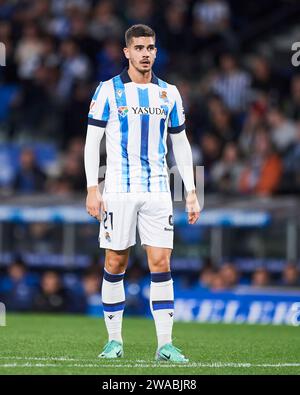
<point x="142" y="68"/>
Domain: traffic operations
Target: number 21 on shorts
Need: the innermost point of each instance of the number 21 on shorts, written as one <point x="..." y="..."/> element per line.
<point x="108" y="217"/>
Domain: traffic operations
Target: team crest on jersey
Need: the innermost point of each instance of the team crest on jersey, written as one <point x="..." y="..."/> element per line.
<point x="163" y="96"/>
<point x="123" y="111"/>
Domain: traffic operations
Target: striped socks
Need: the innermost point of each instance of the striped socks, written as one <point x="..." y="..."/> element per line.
<point x="162" y="306"/>
<point x="113" y="301"/>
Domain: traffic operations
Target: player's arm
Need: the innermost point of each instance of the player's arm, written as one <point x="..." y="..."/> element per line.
<point x="97" y="120"/>
<point x="94" y="201"/>
<point x="183" y="155"/>
<point x="184" y="160"/>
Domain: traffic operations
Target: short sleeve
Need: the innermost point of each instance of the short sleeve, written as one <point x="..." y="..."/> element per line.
<point x="177" y="118"/>
<point x="99" y="107"/>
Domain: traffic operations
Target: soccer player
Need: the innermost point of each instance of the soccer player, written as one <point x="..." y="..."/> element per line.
<point x="136" y="110"/>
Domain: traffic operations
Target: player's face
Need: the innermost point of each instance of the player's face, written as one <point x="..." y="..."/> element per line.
<point x="141" y="53"/>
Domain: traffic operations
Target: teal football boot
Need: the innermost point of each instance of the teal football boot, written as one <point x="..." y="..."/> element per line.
<point x="112" y="349"/>
<point x="170" y="353"/>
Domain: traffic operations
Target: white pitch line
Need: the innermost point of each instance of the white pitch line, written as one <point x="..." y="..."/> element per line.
<point x="145" y="365"/>
<point x="141" y="362"/>
<point x="46" y="358"/>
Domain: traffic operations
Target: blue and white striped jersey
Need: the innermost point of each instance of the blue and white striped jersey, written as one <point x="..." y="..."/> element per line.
<point x="137" y="118"/>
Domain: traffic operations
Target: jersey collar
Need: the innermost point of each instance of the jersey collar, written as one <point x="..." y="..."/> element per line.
<point x="125" y="77"/>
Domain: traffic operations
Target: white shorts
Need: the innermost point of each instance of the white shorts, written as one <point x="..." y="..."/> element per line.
<point x="151" y="212"/>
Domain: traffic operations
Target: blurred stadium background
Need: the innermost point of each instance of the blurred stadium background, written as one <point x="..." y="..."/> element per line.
<point x="231" y="61"/>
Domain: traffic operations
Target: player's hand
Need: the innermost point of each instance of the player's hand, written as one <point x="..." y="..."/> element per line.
<point x="192" y="207"/>
<point x="95" y="205"/>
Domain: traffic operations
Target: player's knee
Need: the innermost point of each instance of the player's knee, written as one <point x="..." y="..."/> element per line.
<point x="161" y="264"/>
<point x="115" y="264"/>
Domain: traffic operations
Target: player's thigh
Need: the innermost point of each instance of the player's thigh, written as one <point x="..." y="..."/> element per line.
<point x="116" y="261"/>
<point x="158" y="259"/>
<point x="155" y="221"/>
<point x="118" y="226"/>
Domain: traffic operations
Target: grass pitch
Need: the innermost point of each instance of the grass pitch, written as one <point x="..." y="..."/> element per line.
<point x="66" y="344"/>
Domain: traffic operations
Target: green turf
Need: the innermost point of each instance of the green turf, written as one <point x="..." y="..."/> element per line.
<point x="52" y="344"/>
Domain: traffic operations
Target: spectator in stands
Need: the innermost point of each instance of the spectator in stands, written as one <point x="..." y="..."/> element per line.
<point x="264" y="80"/>
<point x="222" y="126"/>
<point x="174" y="35"/>
<point x="73" y="170"/>
<point x="232" y="84"/>
<point x="6" y="9"/>
<point x="254" y="119"/>
<point x="218" y="283"/>
<point x="229" y="274"/>
<point x="91" y="284"/>
<point x="206" y="277"/>
<point x="212" y="104"/>
<point x="290" y="275"/>
<point x="64" y="7"/>
<point x="226" y="172"/>
<point x="92" y="281"/>
<point x="105" y="24"/>
<point x="140" y="12"/>
<point x="211" y="151"/>
<point x="49" y="56"/>
<point x="110" y="60"/>
<point x="283" y="130"/>
<point x="75" y="66"/>
<point x="37" y="111"/>
<point x="293" y="107"/>
<point x="51" y="297"/>
<point x="260" y="278"/>
<point x="211" y="24"/>
<point x="263" y="173"/>
<point x="76" y="146"/>
<point x="17" y="287"/>
<point x="60" y="186"/>
<point x="30" y="178"/>
<point x="79" y="31"/>
<point x="291" y="165"/>
<point x="74" y="116"/>
<point x="28" y="51"/>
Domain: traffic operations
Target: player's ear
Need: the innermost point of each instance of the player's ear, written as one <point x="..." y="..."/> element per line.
<point x="126" y="52"/>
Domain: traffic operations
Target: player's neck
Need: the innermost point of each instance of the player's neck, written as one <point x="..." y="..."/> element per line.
<point x="138" y="77"/>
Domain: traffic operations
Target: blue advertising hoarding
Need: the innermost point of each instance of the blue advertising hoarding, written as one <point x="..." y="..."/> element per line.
<point x="243" y="305"/>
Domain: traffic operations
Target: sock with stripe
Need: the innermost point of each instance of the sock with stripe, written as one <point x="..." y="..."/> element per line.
<point x="162" y="306"/>
<point x="113" y="301"/>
